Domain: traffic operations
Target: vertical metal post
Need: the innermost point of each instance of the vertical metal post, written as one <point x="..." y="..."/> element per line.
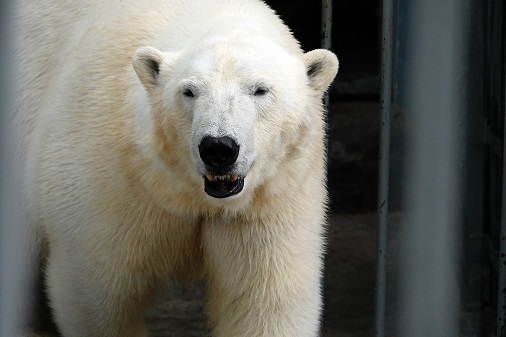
<point x="15" y="250"/>
<point x="436" y="116"/>
<point x="501" y="287"/>
<point x="326" y="40"/>
<point x="326" y="24"/>
<point x="384" y="163"/>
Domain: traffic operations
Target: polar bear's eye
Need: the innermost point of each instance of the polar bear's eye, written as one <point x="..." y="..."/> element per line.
<point x="260" y="91"/>
<point x="188" y="93"/>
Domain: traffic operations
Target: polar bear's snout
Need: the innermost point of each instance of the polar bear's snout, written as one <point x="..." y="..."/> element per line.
<point x="219" y="154"/>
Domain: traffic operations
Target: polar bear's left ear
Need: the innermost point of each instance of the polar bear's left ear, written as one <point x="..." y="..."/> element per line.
<point x="146" y="62"/>
<point x="321" y="68"/>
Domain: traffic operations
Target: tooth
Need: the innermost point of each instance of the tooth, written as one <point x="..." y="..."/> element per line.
<point x="227" y="177"/>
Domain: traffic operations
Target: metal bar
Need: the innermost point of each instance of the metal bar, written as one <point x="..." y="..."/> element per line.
<point x="326" y="24"/>
<point x="432" y="193"/>
<point x="501" y="286"/>
<point x="326" y="39"/>
<point x="384" y="164"/>
<point x="16" y="252"/>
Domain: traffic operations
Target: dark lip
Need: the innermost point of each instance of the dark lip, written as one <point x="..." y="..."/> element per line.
<point x="223" y="189"/>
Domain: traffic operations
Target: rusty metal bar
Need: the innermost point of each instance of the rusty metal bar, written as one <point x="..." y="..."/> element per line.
<point x="384" y="164"/>
<point x="326" y="39"/>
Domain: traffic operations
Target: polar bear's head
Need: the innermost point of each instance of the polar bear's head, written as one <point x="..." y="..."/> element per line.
<point x="239" y="108"/>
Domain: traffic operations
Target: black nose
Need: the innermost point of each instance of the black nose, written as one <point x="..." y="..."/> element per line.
<point x="218" y="151"/>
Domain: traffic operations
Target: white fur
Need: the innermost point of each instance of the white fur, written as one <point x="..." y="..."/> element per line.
<point x="114" y="177"/>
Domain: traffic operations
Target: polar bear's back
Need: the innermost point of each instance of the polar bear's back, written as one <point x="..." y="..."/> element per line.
<point x="52" y="29"/>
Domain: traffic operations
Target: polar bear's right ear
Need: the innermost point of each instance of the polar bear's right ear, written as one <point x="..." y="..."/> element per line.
<point x="146" y="62"/>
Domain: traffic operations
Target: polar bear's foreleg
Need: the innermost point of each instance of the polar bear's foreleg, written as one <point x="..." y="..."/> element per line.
<point x="85" y="306"/>
<point x="264" y="280"/>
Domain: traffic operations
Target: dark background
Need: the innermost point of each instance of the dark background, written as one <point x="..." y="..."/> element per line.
<point x="354" y="111"/>
<point x="355" y="30"/>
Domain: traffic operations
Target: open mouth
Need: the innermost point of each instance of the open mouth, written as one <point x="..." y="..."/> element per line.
<point x="223" y="186"/>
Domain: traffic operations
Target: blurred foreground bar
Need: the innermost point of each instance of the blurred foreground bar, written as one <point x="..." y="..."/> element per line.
<point x="435" y="153"/>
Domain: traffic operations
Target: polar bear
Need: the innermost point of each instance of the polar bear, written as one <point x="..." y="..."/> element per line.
<point x="173" y="140"/>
